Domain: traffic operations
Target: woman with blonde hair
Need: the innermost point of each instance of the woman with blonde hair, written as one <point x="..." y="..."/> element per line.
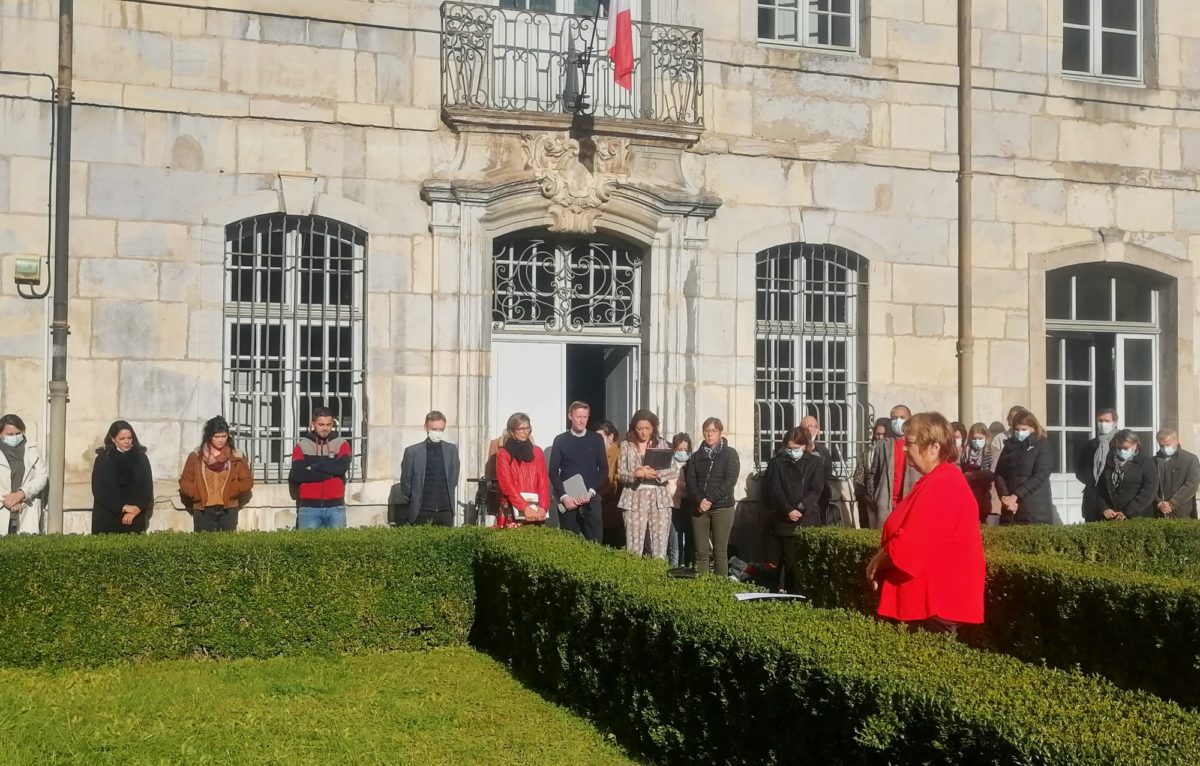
<point x="930" y="568"/>
<point x="522" y="475"/>
<point x="1023" y="473"/>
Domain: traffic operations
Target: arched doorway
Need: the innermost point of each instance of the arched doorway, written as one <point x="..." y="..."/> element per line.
<point x="1109" y="343"/>
<point x="566" y="325"/>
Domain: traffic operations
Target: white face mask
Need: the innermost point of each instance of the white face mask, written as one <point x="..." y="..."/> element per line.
<point x="796" y="454"/>
<point x="958" y="442"/>
<point x="1107" y="427"/>
<point x="14" y="440"/>
<point x="435" y="436"/>
<point x="898" y="426"/>
<point x="1169" y="451"/>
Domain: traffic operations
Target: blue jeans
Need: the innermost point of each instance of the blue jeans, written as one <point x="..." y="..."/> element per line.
<point x="679" y="538"/>
<point x="333" y="517"/>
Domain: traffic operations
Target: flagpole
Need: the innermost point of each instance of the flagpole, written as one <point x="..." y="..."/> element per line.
<point x="579" y="104"/>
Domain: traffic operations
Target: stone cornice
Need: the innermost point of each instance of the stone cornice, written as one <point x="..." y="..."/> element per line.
<point x="647" y="132"/>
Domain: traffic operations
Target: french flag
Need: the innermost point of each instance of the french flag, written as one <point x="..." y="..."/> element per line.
<point x="620" y="41"/>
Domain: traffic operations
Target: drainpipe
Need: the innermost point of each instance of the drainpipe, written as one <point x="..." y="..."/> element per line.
<point x="59" y="329"/>
<point x="966" y="331"/>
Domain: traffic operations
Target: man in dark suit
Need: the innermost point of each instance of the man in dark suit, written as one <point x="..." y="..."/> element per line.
<point x="428" y="479"/>
<point x="830" y="514"/>
<point x="1092" y="458"/>
<point x="1178" y="478"/>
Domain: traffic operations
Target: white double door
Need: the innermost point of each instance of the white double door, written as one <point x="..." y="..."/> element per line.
<point x="541" y="377"/>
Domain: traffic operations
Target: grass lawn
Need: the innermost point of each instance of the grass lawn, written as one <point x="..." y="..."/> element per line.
<point x="446" y="706"/>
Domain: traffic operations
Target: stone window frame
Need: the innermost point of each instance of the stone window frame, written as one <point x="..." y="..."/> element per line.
<point x="1143" y="13"/>
<point x="856" y="14"/>
<point x="292" y="316"/>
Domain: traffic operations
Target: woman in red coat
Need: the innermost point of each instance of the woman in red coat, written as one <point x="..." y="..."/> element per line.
<point x="930" y="569"/>
<point x="522" y="475"/>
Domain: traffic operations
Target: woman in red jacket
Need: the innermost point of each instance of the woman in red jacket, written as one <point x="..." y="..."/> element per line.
<point x="930" y="568"/>
<point x="522" y="475"/>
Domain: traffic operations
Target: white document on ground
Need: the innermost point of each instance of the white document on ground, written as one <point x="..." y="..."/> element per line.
<point x="760" y="596"/>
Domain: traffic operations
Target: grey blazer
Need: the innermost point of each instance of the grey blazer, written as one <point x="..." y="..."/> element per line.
<point x="405" y="500"/>
<point x="881" y="479"/>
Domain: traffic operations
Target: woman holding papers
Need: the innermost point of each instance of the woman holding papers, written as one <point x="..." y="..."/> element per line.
<point x="930" y="568"/>
<point x="522" y="475"/>
<point x="644" y="467"/>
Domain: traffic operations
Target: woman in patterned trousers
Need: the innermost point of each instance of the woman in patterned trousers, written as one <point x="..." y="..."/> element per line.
<point x="645" y="501"/>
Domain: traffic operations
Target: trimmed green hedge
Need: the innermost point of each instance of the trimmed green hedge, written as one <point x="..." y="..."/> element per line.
<point x="81" y="601"/>
<point x="682" y="673"/>
<point x="1137" y="630"/>
<point x="1150" y="546"/>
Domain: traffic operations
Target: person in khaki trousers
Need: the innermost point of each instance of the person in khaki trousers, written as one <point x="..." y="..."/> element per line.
<point x="710" y="478"/>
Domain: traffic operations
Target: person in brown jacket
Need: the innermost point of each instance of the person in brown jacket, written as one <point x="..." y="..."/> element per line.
<point x="214" y="479"/>
<point x="614" y="523"/>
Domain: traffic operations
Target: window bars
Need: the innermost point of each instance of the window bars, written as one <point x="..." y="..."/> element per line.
<point x="566" y="284"/>
<point x="810" y="349"/>
<point x="516" y="60"/>
<point x="293" y="336"/>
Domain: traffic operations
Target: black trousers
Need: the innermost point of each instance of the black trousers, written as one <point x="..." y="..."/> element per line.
<point x="586" y="520"/>
<point x="215" y="519"/>
<point x="434" y="519"/>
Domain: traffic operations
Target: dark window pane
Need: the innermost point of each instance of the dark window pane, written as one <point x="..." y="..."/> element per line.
<point x="1055" y="444"/>
<point x="1076" y="50"/>
<point x="1079" y="406"/>
<point x="1058" y="295"/>
<point x="1079" y="360"/>
<point x="1053" y="368"/>
<point x="842" y="31"/>
<point x="1139" y="360"/>
<point x="766" y="23"/>
<point x="1053" y="405"/>
<point x="1139" y="407"/>
<point x="1093" y="297"/>
<point x="1134" y="303"/>
<point x="586" y="7"/>
<point x="1077" y="11"/>
<point x="1075" y="443"/>
<point x="1120" y="14"/>
<point x="1119" y="54"/>
<point x="843" y="6"/>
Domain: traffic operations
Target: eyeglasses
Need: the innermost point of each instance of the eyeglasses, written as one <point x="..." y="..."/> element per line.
<point x="522" y="429"/>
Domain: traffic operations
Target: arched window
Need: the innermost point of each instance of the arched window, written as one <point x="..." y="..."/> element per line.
<point x="566" y="284"/>
<point x="293" y="337"/>
<point x="810" y="347"/>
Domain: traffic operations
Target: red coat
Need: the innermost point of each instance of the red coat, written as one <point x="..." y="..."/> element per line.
<point x="515" y="477"/>
<point x="933" y="540"/>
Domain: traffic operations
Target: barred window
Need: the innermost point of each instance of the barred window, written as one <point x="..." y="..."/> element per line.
<point x="293" y="336"/>
<point x="566" y="284"/>
<point x="811" y="23"/>
<point x="810" y="348"/>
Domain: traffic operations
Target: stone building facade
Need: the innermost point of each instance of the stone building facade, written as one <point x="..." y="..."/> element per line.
<point x="769" y="232"/>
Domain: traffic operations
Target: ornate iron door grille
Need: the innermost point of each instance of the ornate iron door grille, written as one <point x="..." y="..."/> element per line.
<point x="516" y="60"/>
<point x="292" y="334"/>
<point x="566" y="285"/>
<point x="810" y="344"/>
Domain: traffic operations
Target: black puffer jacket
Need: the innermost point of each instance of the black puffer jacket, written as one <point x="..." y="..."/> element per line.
<point x="713" y="478"/>
<point x="795" y="484"/>
<point x="1023" y="469"/>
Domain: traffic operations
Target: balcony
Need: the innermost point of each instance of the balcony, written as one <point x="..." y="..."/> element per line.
<point x="524" y="69"/>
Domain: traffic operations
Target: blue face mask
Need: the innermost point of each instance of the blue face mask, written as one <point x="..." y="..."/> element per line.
<point x="14" y="440"/>
<point x="681" y="457"/>
<point x="1169" y="451"/>
<point x="796" y="454"/>
<point x="1021" y="435"/>
<point x="977" y="443"/>
<point x="1125" y="453"/>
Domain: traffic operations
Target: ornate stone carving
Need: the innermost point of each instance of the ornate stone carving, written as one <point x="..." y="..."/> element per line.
<point x="577" y="177"/>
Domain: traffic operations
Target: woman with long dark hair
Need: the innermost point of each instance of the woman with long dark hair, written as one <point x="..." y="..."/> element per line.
<point x="1023" y="473"/>
<point x="645" y="501"/>
<point x="522" y="475"/>
<point x="122" y="483"/>
<point x="214" y="479"/>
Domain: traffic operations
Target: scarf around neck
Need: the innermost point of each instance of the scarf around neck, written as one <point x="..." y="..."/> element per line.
<point x="521" y="451"/>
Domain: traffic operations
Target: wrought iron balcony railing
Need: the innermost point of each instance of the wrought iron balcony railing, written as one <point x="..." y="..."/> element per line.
<point x="507" y="60"/>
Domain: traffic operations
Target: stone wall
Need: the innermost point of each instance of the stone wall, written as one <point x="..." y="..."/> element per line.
<point x="187" y="116"/>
